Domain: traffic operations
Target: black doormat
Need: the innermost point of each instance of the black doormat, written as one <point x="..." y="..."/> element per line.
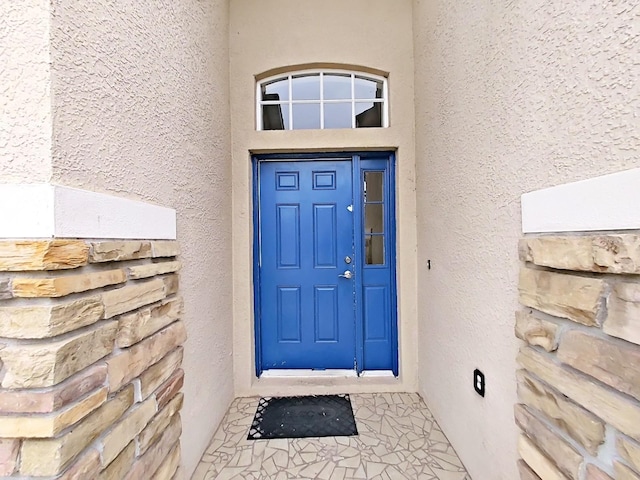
<point x="308" y="416"/>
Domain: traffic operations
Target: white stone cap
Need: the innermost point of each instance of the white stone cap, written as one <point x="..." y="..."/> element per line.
<point x="609" y="202"/>
<point x="48" y="211"/>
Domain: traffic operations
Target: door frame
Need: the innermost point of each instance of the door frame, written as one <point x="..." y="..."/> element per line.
<point x="358" y="220"/>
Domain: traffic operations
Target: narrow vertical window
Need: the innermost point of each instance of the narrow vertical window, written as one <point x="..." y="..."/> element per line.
<point x="374" y="214"/>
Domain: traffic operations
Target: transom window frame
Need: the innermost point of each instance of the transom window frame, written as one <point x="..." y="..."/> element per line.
<point x="322" y="101"/>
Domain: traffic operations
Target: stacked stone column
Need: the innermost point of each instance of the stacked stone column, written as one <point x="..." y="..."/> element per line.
<point x="579" y="383"/>
<point x="90" y="355"/>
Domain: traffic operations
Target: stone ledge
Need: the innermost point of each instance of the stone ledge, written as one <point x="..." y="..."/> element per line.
<point x="585" y="389"/>
<point x="132" y="362"/>
<point x="581" y="425"/>
<point x="9" y="449"/>
<point x="167" y="391"/>
<point x="166" y="248"/>
<point x="563" y="455"/>
<point x="147" y="465"/>
<point x="536" y="460"/>
<point x="119" y="467"/>
<point x="130" y="297"/>
<point x="605" y="360"/>
<point x="86" y="467"/>
<point x="117" y="251"/>
<point x="53" y="398"/>
<point x="592" y="253"/>
<point x="69" y="408"/>
<point x="170" y="464"/>
<point x="153" y="269"/>
<point x="525" y="472"/>
<point x="612" y="407"/>
<point x="158" y="373"/>
<point x="27" y="255"/>
<point x="536" y="331"/>
<point x="594" y="473"/>
<point x="127" y="428"/>
<point x="48" y="457"/>
<point x="5" y="289"/>
<point x="50" y="425"/>
<point x="623" y="472"/>
<point x="62" y="286"/>
<point x="153" y="431"/>
<point x="142" y="323"/>
<point x="624" y="313"/>
<point x="47" y="364"/>
<point x="33" y="322"/>
<point x="171" y="284"/>
<point x="629" y="451"/>
<point x="568" y="296"/>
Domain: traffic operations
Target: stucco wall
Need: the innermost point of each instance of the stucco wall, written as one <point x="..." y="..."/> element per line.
<point x="509" y="98"/>
<point x="25" y="95"/>
<point x="141" y="110"/>
<point x="375" y="34"/>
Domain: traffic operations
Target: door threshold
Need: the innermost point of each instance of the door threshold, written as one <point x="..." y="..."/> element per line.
<point x="336" y="373"/>
<point x="286" y="373"/>
<point x="377" y="373"/>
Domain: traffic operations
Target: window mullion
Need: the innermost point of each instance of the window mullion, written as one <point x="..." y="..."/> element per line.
<point x="321" y="101"/>
<point x="259" y="107"/>
<point x="297" y="102"/>
<point x="385" y="103"/>
<point x="353" y="101"/>
<point x="290" y="104"/>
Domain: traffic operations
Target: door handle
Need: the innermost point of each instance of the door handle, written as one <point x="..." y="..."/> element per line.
<point x="347" y="274"/>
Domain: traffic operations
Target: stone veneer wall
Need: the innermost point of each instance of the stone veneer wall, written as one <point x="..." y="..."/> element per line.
<point x="90" y="336"/>
<point x="579" y="386"/>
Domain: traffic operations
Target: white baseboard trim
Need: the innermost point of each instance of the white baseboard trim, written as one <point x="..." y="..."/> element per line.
<point x="53" y="211"/>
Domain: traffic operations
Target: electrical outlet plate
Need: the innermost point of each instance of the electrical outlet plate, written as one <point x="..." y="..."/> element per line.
<point x="478" y="382"/>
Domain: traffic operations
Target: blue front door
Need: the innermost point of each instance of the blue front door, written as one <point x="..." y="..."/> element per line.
<point x="325" y="295"/>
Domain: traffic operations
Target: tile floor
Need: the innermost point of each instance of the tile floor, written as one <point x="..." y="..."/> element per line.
<point x="398" y="439"/>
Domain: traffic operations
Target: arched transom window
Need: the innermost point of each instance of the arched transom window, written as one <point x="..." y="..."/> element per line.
<point x="321" y="100"/>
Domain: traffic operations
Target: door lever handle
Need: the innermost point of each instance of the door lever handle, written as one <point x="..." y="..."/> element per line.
<point x="347" y="274"/>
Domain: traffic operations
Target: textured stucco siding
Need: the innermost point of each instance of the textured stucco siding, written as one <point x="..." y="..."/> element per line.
<point x="25" y="95"/>
<point x="510" y="97"/>
<point x="141" y="110"/>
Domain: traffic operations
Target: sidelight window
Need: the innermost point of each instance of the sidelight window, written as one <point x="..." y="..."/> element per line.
<point x="322" y="100"/>
<point x="374" y="215"/>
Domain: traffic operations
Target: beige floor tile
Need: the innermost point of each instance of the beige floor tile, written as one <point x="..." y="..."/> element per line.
<point x="398" y="440"/>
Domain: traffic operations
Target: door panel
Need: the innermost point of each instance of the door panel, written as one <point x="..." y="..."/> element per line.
<point x="289" y="315"/>
<point x="288" y="236"/>
<point x="326" y="314"/>
<point x="325" y="236"/>
<point x="306" y="230"/>
<point x="376" y="313"/>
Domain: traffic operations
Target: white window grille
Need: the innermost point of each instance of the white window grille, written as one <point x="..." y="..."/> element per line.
<point x="322" y="99"/>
